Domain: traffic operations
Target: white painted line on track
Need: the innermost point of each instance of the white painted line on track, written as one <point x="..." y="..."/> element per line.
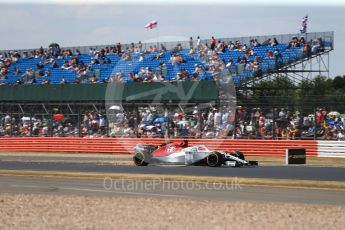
<point x="106" y="191"/>
<point x="129" y="193"/>
<point x="25" y="186"/>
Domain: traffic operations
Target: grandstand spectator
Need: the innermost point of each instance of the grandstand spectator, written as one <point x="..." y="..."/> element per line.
<point x="213" y="43"/>
<point x="131" y="47"/>
<point x="94" y="61"/>
<point x="223" y="47"/>
<point x="153" y="49"/>
<point x="77" y="53"/>
<point x="274" y="42"/>
<point x="91" y="52"/>
<point x="163" y="48"/>
<point x="237" y="45"/>
<point x="140" y="46"/>
<point x="66" y="65"/>
<point x="182" y="75"/>
<point x="17" y="71"/>
<point x="302" y="41"/>
<point x="94" y="80"/>
<point x="269" y="54"/>
<point x="30" y="81"/>
<point x="19" y="82"/>
<point x="191" y="43"/>
<point x="40" y="65"/>
<point x="141" y="57"/>
<point x="177" y="59"/>
<point x="306" y="50"/>
<point x="317" y="45"/>
<point x="195" y="76"/>
<point x="117" y="77"/>
<point x="294" y="42"/>
<point x="198" y="43"/>
<point x="29" y="73"/>
<point x="191" y="52"/>
<point x="126" y="56"/>
<point x="162" y="69"/>
<point x="45" y="81"/>
<point x="277" y="58"/>
<point x="254" y="43"/>
<point x="177" y="48"/>
<point x="63" y="81"/>
<point x="243" y="48"/>
<point x="158" y="56"/>
<point x="3" y="73"/>
<point x="118" y="48"/>
<point x="157" y="78"/>
<point x="54" y="49"/>
<point x="267" y="42"/>
<point x="67" y="53"/>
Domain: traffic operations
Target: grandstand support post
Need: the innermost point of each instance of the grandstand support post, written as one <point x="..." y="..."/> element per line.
<point x="328" y="64"/>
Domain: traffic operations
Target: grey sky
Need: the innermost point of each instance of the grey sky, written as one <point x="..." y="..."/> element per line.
<point x="32" y="25"/>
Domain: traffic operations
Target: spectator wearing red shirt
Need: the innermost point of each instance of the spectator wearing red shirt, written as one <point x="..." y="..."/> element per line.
<point x="319" y="117"/>
<point x="213" y="43"/>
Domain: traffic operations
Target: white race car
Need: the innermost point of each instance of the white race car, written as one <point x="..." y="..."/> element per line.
<point x="174" y="153"/>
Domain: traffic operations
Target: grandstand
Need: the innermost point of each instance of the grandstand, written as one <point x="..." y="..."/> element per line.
<point x="75" y="81"/>
<point x="245" y="58"/>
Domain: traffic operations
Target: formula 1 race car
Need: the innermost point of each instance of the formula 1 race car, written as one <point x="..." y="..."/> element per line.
<point x="180" y="153"/>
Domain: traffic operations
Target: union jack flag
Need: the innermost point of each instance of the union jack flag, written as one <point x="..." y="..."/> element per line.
<point x="304" y="24"/>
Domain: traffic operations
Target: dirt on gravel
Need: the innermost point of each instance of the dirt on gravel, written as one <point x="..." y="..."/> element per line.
<point x="86" y="212"/>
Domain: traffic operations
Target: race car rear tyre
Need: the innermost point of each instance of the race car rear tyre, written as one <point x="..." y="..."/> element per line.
<point x="214" y="159"/>
<point x="140" y="159"/>
<point x="238" y="154"/>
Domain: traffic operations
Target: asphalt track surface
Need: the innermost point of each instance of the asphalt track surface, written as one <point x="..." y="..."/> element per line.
<point x="168" y="189"/>
<point x="270" y="172"/>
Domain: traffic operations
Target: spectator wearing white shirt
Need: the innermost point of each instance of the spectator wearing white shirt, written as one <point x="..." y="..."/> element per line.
<point x="198" y="43"/>
<point x="217" y="118"/>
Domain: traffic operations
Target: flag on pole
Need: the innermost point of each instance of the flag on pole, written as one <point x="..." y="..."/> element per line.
<point x="304" y="24"/>
<point x="151" y="25"/>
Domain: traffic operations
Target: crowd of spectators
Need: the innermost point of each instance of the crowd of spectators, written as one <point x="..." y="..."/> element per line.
<point x="208" y="53"/>
<point x="224" y="122"/>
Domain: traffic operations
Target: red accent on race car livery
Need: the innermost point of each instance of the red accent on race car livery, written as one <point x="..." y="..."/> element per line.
<point x="167" y="150"/>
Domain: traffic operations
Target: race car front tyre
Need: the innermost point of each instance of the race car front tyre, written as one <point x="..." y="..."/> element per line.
<point x="140" y="159"/>
<point x="214" y="159"/>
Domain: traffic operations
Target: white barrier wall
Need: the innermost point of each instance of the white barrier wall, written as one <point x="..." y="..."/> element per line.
<point x="331" y="149"/>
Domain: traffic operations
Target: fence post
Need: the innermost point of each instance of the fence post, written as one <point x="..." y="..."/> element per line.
<point x="79" y="120"/>
<point x="11" y="123"/>
<point x="50" y="125"/>
<point x="136" y="120"/>
<point x="273" y="124"/>
<point x="31" y="124"/>
<point x="315" y="123"/>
